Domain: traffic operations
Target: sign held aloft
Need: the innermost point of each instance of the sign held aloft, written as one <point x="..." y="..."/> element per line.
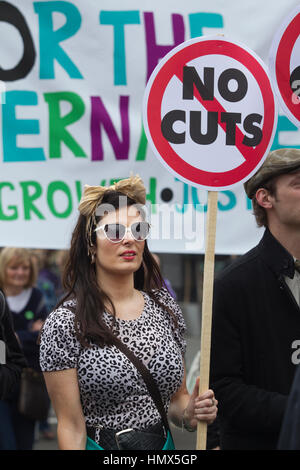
<point x="209" y="112"/>
<point x="210" y="117"/>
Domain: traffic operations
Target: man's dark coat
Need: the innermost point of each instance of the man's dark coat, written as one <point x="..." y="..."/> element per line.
<point x="255" y="337"/>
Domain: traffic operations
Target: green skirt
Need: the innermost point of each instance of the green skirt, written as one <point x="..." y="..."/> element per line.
<point x="92" y="445"/>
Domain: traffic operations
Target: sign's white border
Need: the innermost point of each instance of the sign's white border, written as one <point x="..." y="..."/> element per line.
<point x="148" y="89"/>
<point x="272" y="62"/>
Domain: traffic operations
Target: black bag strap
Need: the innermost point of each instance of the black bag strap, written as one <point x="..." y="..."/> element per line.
<point x="2" y="305"/>
<point x="148" y="379"/>
<point x="2" y="312"/>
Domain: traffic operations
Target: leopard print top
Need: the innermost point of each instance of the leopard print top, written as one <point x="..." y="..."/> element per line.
<point x="113" y="393"/>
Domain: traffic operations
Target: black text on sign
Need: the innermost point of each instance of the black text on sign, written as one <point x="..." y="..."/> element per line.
<point x="205" y="88"/>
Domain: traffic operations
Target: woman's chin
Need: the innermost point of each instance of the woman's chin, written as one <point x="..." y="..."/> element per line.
<point x="121" y="269"/>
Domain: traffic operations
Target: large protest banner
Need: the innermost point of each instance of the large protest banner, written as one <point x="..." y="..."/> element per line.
<point x="73" y="75"/>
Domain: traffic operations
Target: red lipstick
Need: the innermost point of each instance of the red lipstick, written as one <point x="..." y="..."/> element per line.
<point x="129" y="255"/>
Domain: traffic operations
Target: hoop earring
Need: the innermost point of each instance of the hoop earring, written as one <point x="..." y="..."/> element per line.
<point x="93" y="258"/>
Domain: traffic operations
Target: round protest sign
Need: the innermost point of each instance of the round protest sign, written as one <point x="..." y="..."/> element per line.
<point x="284" y="60"/>
<point x="209" y="112"/>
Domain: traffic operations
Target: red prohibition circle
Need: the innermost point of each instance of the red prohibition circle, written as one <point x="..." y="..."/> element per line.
<point x="282" y="64"/>
<point x="252" y="155"/>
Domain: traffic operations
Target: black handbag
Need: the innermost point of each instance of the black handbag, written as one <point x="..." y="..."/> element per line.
<point x="157" y="437"/>
<point x="33" y="399"/>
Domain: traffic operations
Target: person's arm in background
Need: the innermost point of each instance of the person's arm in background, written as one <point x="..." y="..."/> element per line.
<point x="10" y="372"/>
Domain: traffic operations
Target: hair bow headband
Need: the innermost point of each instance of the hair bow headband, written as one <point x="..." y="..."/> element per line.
<point x="132" y="187"/>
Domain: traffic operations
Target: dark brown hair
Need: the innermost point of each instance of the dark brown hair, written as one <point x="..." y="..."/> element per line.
<point x="80" y="282"/>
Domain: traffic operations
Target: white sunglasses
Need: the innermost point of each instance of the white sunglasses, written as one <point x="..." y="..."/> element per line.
<point x="117" y="232"/>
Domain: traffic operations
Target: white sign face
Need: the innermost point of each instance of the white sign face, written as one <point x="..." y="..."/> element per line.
<point x="284" y="61"/>
<point x="210" y="113"/>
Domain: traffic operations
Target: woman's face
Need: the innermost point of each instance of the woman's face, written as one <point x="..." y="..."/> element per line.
<point x="17" y="273"/>
<point x="124" y="257"/>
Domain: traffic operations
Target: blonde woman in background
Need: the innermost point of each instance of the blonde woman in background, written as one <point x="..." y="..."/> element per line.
<point x="27" y="305"/>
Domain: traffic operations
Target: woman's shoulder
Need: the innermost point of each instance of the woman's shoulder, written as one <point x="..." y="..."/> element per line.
<point x="59" y="345"/>
<point x="35" y="297"/>
<point x="64" y="313"/>
<point x="166" y="299"/>
<point x="35" y="293"/>
<point x="164" y="295"/>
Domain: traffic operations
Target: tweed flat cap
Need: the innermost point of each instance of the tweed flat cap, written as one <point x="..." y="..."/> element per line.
<point x="278" y="162"/>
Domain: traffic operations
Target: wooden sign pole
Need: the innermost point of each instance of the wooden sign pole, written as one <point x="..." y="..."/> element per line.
<point x="207" y="299"/>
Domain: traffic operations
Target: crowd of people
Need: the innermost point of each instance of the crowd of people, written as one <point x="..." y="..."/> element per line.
<point x="111" y="342"/>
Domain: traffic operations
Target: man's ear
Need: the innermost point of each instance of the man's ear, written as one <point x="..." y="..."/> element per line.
<point x="264" y="199"/>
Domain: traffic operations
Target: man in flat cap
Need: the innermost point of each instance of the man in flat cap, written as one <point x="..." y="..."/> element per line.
<point x="256" y="314"/>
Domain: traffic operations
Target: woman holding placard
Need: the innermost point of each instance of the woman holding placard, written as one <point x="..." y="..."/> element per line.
<point x="114" y="326"/>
